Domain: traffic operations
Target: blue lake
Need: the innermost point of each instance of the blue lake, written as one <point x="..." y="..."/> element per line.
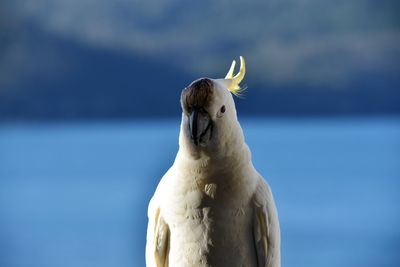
<point x="76" y="194"/>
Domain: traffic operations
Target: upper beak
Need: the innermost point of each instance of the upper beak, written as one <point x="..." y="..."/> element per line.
<point x="193" y="125"/>
<point x="199" y="123"/>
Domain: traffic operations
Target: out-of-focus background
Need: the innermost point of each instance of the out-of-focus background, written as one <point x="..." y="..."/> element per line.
<point x="90" y="114"/>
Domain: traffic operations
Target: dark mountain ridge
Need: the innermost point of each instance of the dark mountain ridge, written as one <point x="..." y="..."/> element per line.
<point x="100" y="83"/>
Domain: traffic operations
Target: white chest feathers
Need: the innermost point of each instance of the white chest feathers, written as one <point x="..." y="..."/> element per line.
<point x="210" y="225"/>
<point x="210" y="190"/>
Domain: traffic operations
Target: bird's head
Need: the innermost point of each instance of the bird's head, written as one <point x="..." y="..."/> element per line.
<point x="209" y="121"/>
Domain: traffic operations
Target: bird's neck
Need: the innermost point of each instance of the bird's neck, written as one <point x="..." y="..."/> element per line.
<point x="214" y="165"/>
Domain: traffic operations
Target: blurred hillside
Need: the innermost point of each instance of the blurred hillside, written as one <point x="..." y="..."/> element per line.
<point x="122" y="59"/>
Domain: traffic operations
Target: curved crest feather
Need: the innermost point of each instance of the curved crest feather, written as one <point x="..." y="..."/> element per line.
<point x="234" y="85"/>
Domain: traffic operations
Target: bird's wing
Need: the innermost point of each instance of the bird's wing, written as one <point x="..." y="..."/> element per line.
<point x="266" y="229"/>
<point x="157" y="246"/>
<point x="158" y="234"/>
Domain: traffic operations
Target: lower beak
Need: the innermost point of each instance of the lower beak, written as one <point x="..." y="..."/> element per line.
<point x="199" y="124"/>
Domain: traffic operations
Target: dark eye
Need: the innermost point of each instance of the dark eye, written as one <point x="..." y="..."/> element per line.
<point x="223" y="109"/>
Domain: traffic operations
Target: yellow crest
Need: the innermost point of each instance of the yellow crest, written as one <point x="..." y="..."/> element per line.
<point x="234" y="85"/>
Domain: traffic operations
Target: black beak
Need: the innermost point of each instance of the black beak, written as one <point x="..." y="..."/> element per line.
<point x="199" y="125"/>
<point x="193" y="125"/>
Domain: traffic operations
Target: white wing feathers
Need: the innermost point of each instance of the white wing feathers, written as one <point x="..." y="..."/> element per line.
<point x="157" y="248"/>
<point x="266" y="227"/>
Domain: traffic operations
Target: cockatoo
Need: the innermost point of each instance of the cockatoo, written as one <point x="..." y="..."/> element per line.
<point x="212" y="208"/>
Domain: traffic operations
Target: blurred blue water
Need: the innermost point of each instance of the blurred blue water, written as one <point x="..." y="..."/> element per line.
<point x="76" y="194"/>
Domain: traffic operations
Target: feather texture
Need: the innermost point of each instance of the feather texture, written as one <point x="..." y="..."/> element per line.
<point x="266" y="227"/>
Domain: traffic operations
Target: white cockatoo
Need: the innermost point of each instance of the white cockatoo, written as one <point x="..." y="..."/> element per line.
<point x="212" y="208"/>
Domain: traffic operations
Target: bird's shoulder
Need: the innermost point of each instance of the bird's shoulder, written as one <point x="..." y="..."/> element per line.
<point x="262" y="195"/>
<point x="156" y="199"/>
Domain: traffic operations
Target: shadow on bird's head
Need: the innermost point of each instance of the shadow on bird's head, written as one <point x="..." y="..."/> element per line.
<point x="209" y="120"/>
